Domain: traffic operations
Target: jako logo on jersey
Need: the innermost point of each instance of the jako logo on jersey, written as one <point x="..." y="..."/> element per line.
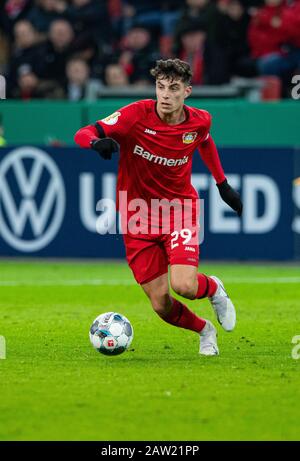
<point x="160" y="160"/>
<point x="111" y="119"/>
<point x="149" y="131"/>
<point x="188" y="138"/>
<point x="190" y="249"/>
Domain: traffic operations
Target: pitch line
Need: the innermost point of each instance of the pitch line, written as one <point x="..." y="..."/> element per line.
<point x="128" y="282"/>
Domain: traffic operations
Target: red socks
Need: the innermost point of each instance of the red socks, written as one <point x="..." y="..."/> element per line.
<point x="206" y="286"/>
<point x="182" y="317"/>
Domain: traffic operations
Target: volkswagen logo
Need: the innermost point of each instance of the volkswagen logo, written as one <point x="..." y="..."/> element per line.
<point x="32" y="199"/>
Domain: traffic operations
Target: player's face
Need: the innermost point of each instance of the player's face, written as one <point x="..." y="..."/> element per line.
<point x="171" y="95"/>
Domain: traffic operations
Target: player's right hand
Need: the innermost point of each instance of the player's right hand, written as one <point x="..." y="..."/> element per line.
<point x="105" y="147"/>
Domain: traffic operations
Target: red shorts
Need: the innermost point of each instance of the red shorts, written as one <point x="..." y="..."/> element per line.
<point x="149" y="257"/>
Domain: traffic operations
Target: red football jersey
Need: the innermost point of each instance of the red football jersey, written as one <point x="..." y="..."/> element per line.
<point x="155" y="158"/>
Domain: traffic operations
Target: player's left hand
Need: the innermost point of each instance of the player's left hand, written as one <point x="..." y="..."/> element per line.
<point x="231" y="197"/>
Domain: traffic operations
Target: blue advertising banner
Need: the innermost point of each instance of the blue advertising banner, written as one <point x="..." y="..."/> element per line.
<point x="264" y="178"/>
<point x="48" y="199"/>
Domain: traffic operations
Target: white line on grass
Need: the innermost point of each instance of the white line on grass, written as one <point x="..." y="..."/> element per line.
<point x="116" y="282"/>
<point x="42" y="283"/>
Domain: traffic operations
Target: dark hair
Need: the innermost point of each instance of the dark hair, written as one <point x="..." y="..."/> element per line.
<point x="172" y="69"/>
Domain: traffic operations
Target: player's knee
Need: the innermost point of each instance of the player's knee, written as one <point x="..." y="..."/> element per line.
<point x="185" y="287"/>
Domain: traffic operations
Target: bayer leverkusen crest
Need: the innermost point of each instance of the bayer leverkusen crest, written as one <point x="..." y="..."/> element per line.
<point x="188" y="138"/>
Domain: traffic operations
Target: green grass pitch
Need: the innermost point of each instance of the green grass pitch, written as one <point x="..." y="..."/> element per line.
<point x="55" y="386"/>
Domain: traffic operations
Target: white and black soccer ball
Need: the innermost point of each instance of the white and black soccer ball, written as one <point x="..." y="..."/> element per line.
<point x="111" y="333"/>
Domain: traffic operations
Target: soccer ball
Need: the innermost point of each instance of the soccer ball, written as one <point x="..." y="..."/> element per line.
<point x="111" y="333"/>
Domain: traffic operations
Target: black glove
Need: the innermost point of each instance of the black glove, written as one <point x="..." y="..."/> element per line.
<point x="105" y="147"/>
<point x="231" y="197"/>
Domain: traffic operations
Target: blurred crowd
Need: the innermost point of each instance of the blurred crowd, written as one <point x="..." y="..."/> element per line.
<point x="73" y="49"/>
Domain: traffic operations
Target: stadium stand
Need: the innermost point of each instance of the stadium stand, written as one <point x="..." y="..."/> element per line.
<point x="79" y="49"/>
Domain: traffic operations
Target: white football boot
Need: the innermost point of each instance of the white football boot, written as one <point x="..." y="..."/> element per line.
<point x="223" y="306"/>
<point x="208" y="340"/>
